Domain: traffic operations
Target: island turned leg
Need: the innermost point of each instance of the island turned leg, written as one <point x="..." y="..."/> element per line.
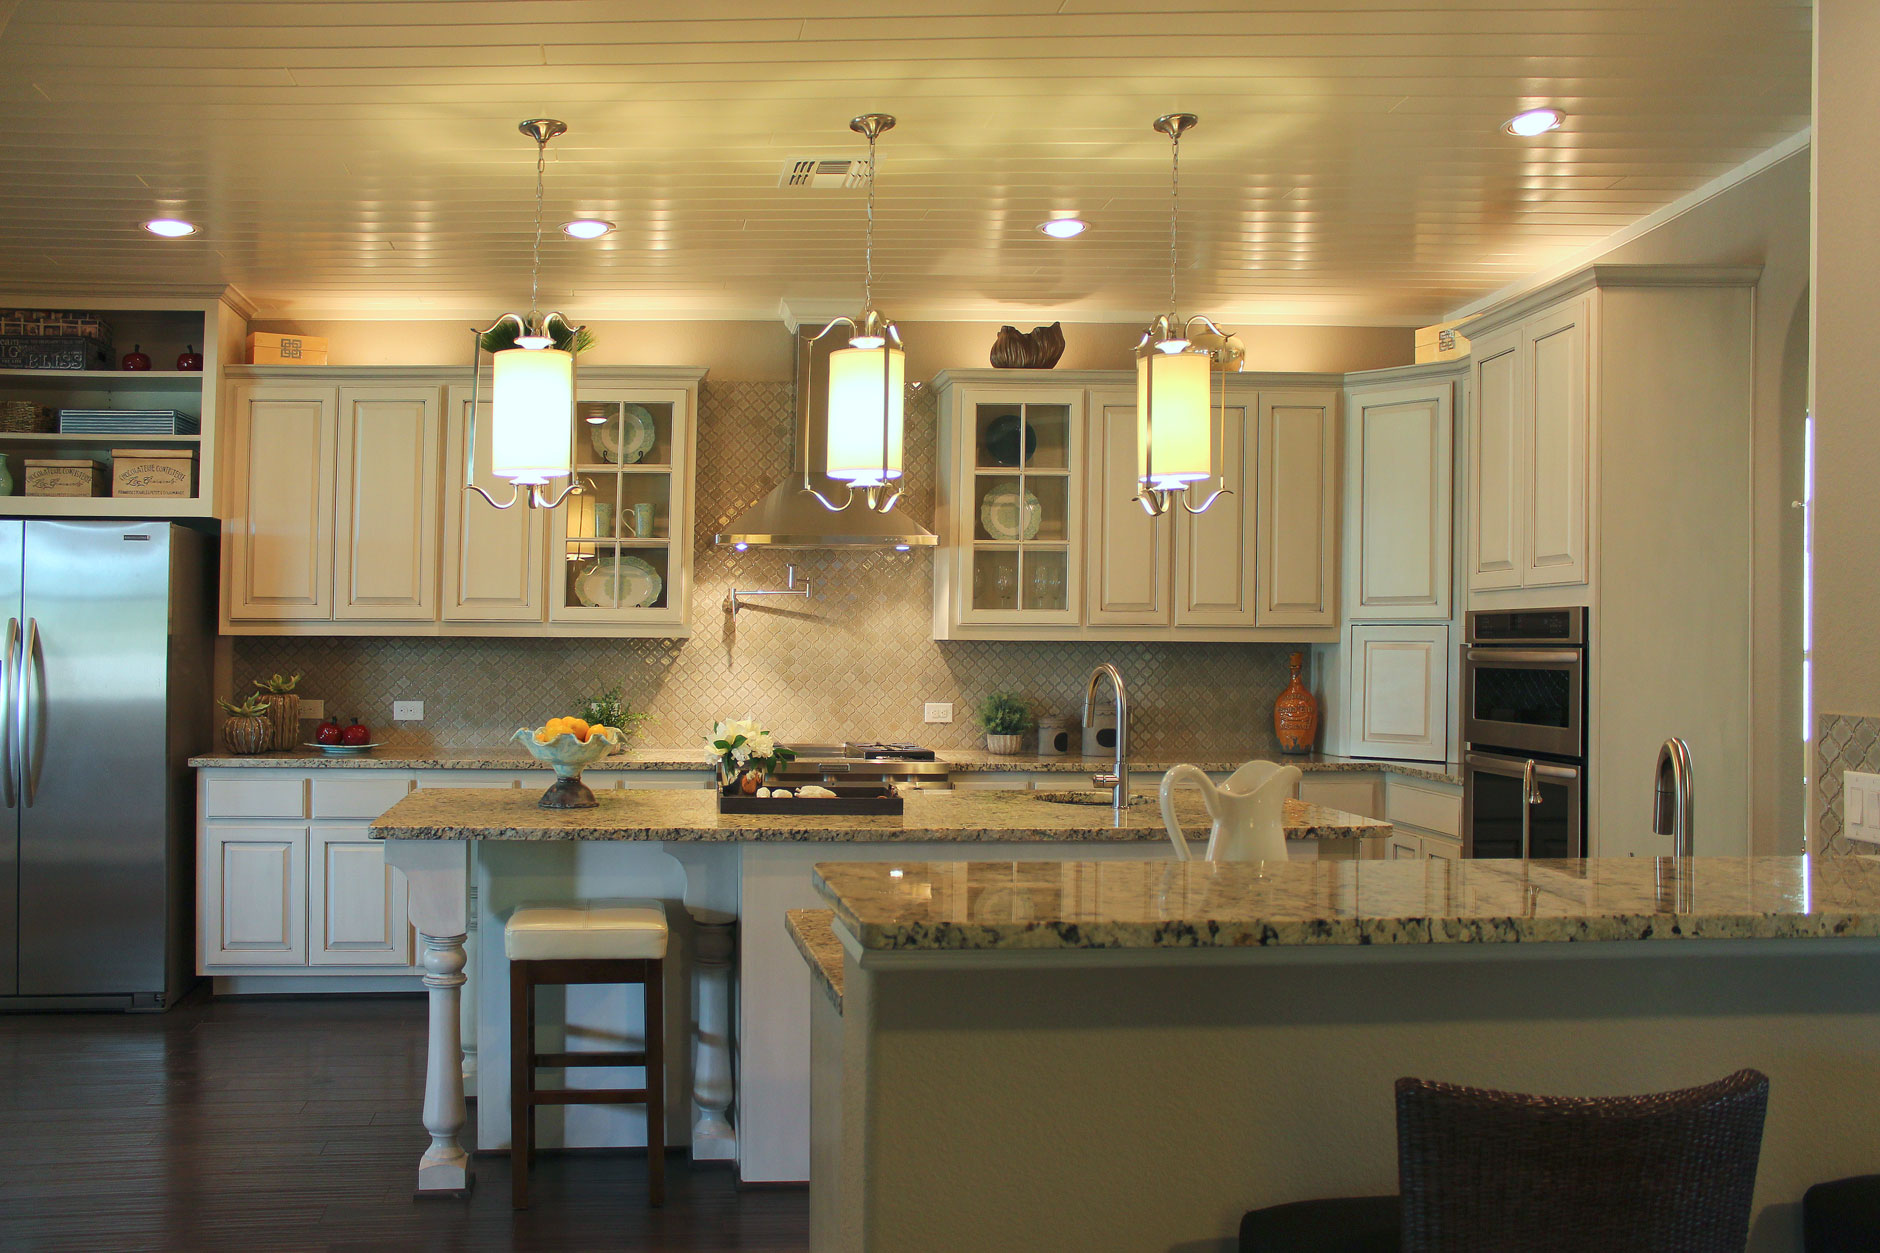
<point x="437" y="872"/>
<point x="712" y="1136"/>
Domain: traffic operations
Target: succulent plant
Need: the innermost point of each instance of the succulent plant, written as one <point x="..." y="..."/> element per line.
<point x="247" y="707"/>
<point x="278" y="685"/>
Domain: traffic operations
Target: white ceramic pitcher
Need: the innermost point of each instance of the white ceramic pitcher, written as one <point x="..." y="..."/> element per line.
<point x="1247" y="809"/>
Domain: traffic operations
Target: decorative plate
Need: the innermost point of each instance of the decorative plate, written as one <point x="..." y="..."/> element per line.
<point x="999" y="512"/>
<point x="341" y="750"/>
<point x="639" y="436"/>
<point x="1002" y="440"/>
<point x="640" y="584"/>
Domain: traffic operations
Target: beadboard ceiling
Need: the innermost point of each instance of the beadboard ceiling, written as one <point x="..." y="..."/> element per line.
<point x="361" y="159"/>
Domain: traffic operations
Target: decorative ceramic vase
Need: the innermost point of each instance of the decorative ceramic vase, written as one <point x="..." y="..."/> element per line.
<point x="6" y="476"/>
<point x="284" y="717"/>
<point x="568" y="754"/>
<point x="246" y="736"/>
<point x="734" y="780"/>
<point x="1296" y="712"/>
<point x="1005" y="745"/>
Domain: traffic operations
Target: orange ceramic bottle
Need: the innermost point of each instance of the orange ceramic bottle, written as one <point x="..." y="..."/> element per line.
<point x="1296" y="712"/>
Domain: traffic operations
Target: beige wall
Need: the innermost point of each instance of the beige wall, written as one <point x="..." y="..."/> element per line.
<point x="760" y="351"/>
<point x="1847" y="343"/>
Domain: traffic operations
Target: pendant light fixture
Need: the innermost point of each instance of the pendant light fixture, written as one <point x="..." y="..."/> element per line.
<point x="532" y="372"/>
<point x="865" y="421"/>
<point x="1176" y="422"/>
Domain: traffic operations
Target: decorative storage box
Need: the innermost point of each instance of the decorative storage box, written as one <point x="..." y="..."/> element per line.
<point x="24" y="417"/>
<point x="152" y="472"/>
<point x="64" y="478"/>
<point x="53" y="352"/>
<point x="51" y="322"/>
<point x="265" y="349"/>
<point x="1441" y="342"/>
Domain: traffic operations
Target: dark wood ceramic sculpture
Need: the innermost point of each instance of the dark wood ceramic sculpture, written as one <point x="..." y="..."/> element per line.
<point x="1040" y="350"/>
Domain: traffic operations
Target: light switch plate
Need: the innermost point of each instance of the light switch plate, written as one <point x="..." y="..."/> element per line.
<point x="407" y="711"/>
<point x="1860" y="806"/>
<point x="939" y="711"/>
<point x="314" y="709"/>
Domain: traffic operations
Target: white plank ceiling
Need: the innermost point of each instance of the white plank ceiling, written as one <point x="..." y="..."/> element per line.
<point x="361" y="159"/>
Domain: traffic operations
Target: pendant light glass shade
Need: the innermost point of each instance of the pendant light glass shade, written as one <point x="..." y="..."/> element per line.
<point x="1174" y="424"/>
<point x="532" y="426"/>
<point x="866" y="423"/>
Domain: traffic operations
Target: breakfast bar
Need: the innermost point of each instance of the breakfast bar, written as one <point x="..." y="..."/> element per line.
<point x="470" y="855"/>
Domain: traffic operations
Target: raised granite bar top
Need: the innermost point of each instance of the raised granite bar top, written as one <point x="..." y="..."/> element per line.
<point x="815" y="936"/>
<point x="1169" y="904"/>
<point x="684" y="814"/>
<point x="958" y="761"/>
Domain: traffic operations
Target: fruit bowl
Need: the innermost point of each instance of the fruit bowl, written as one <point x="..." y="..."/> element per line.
<point x="567" y="752"/>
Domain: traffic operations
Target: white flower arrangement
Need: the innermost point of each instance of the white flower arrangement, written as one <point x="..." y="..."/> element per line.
<point x="738" y="745"/>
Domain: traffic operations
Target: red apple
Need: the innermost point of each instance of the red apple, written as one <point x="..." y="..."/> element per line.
<point x="356" y="734"/>
<point x="327" y="732"/>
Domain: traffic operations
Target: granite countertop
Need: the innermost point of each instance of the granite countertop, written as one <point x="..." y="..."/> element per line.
<point x="958" y="760"/>
<point x="963" y="817"/>
<point x="1171" y="904"/>
<point x="815" y="936"/>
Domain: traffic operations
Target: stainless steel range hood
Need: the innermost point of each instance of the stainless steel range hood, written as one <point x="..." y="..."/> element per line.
<point x="790" y="517"/>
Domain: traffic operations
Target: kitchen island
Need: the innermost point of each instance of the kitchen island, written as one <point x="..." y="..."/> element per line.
<point x="1022" y="1055"/>
<point x="726" y="870"/>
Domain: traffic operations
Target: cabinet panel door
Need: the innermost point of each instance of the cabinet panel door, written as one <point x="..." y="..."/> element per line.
<point x="385" y="561"/>
<point x="1296" y="576"/>
<point x="492" y="557"/>
<point x="357" y="902"/>
<point x="1401" y="455"/>
<point x="1556" y="514"/>
<point x="280" y="524"/>
<point x="1215" y="551"/>
<point x="1497" y="465"/>
<point x="1398" y="692"/>
<point x="254" y="895"/>
<point x="1128" y="580"/>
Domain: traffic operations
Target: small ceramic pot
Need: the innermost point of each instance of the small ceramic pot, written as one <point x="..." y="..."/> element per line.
<point x="284" y="717"/>
<point x="246" y="736"/>
<point x="735" y="781"/>
<point x="568" y="754"/>
<point x="1005" y="745"/>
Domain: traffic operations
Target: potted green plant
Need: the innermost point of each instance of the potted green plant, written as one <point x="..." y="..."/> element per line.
<point x="246" y="730"/>
<point x="283" y="709"/>
<point x="744" y="753"/>
<point x="611" y="709"/>
<point x="1004" y="717"/>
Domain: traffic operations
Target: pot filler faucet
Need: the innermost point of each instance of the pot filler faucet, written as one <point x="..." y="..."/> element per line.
<point x="1118" y="779"/>
<point x="1671" y="814"/>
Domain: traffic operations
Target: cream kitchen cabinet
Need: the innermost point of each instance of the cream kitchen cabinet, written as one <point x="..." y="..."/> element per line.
<point x="347" y="512"/>
<point x="1399" y="498"/>
<point x="1398" y="692"/>
<point x="1086" y="561"/>
<point x="1528" y="449"/>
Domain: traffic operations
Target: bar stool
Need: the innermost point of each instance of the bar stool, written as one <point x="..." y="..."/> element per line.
<point x="617" y="941"/>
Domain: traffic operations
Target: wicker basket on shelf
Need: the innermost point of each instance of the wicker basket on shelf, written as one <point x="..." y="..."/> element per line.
<point x="23" y="417"/>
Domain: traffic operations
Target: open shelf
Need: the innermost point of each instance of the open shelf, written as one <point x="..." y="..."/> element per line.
<point x="119" y="439"/>
<point x="103" y="507"/>
<point x="109" y="380"/>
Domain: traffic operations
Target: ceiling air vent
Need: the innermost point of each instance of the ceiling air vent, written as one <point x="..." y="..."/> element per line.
<point x="824" y="174"/>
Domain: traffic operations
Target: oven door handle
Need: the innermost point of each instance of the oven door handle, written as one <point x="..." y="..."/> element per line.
<point x="1527" y="656"/>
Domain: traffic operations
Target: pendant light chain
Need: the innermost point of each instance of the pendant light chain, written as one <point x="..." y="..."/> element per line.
<point x="535" y="253"/>
<point x="1174" y="208"/>
<point x="868" y="253"/>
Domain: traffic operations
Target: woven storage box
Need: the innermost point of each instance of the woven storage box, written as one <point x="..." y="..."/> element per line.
<point x="55" y="323"/>
<point x="266" y="349"/>
<point x="64" y="478"/>
<point x="23" y="417"/>
<point x="152" y="472"/>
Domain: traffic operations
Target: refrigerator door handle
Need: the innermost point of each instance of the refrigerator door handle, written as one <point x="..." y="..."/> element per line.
<point x="10" y="679"/>
<point x="29" y="656"/>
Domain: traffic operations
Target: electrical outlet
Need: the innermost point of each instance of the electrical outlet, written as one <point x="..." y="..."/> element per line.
<point x="939" y="711"/>
<point x="314" y="709"/>
<point x="407" y="711"/>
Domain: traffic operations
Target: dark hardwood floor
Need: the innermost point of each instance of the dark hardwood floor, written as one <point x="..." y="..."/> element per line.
<point x="294" y="1125"/>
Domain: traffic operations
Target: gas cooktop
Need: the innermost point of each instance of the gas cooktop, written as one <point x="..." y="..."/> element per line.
<point x="864" y="752"/>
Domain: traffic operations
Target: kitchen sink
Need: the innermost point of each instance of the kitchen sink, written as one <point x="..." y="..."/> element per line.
<point x="1091" y="796"/>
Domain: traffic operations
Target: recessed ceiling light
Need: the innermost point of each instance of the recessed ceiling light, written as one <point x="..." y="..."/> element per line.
<point x="586" y="228"/>
<point x="1064" y="228"/>
<point x="170" y="228"/>
<point x="1534" y="122"/>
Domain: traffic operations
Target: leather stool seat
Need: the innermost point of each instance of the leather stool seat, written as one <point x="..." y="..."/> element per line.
<point x="603" y="930"/>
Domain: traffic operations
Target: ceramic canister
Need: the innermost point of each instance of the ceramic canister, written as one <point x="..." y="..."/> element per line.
<point x="1054" y="736"/>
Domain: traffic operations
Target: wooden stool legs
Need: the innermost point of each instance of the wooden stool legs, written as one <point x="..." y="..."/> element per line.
<point x="524" y="1061"/>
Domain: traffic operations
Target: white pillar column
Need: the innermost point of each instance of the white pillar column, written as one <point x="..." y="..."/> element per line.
<point x="437" y="875"/>
<point x="716" y="942"/>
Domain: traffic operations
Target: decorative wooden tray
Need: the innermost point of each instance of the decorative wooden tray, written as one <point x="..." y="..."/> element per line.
<point x="849" y="798"/>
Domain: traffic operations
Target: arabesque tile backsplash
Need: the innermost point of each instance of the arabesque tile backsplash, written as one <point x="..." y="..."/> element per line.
<point x="857" y="660"/>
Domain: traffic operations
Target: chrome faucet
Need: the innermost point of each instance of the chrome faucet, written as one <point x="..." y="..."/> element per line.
<point x="1671" y="814"/>
<point x="1118" y="779"/>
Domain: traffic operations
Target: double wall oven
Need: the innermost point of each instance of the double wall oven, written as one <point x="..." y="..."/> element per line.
<point x="1524" y="725"/>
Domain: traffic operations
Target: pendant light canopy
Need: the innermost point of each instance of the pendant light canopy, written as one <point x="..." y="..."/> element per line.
<point x="532" y="370"/>
<point x="865" y="423"/>
<point x="1176" y="415"/>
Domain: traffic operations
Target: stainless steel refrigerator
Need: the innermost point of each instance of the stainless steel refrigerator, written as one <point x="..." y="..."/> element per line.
<point x="105" y="690"/>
